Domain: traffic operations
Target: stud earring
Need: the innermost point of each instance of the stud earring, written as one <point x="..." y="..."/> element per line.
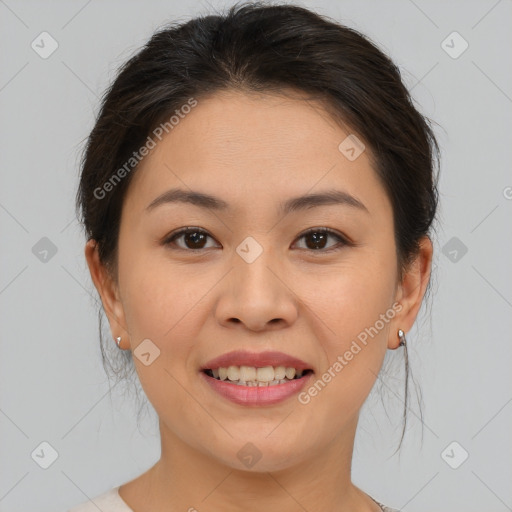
<point x="118" y="342"/>
<point x="401" y="337"/>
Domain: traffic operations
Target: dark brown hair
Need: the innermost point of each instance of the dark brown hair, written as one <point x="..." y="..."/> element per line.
<point x="264" y="48"/>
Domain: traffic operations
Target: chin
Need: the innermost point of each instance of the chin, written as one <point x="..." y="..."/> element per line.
<point x="262" y="453"/>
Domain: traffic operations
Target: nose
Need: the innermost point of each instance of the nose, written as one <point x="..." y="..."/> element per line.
<point x="257" y="296"/>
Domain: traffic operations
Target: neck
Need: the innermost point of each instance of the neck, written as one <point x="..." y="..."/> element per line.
<point x="191" y="480"/>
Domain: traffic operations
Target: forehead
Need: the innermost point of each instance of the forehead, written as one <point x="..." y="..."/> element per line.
<point x="240" y="146"/>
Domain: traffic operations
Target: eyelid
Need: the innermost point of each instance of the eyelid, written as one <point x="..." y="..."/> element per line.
<point x="342" y="239"/>
<point x="168" y="239"/>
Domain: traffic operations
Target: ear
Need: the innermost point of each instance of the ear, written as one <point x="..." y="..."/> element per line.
<point x="411" y="290"/>
<point x="107" y="289"/>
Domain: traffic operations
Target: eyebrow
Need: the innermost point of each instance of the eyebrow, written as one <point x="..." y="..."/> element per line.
<point x="328" y="197"/>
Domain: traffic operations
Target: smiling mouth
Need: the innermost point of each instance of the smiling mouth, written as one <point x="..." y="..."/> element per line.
<point x="256" y="376"/>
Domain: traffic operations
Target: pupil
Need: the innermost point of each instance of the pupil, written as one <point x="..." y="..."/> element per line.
<point x="195" y="238"/>
<point x="317" y="237"/>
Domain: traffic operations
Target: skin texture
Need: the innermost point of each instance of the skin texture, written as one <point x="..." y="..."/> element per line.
<point x="255" y="151"/>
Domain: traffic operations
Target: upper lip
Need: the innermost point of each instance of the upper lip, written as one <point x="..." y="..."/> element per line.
<point x="261" y="359"/>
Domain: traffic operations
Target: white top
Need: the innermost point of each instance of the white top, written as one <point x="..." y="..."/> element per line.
<point x="111" y="501"/>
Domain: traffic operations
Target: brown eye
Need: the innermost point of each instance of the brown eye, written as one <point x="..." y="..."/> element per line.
<point x="192" y="238"/>
<point x="317" y="239"/>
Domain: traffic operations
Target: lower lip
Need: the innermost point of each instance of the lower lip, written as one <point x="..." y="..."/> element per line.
<point x="255" y="395"/>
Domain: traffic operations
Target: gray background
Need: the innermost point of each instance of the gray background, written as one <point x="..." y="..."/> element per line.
<point x="52" y="384"/>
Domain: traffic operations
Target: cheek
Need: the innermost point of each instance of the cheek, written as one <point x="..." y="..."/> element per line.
<point x="352" y="295"/>
<point x="353" y="311"/>
<point x="161" y="304"/>
<point x="354" y="344"/>
<point x="159" y="297"/>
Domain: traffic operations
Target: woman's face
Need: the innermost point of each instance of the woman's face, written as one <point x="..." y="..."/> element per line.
<point x="251" y="280"/>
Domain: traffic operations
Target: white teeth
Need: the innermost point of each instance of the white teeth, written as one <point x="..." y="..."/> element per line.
<point x="279" y="372"/>
<point x="252" y="376"/>
<point x="255" y="383"/>
<point x="247" y="373"/>
<point x="233" y="373"/>
<point x="265" y="374"/>
<point x="290" y="373"/>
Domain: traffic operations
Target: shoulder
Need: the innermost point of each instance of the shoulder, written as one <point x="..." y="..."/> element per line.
<point x="388" y="509"/>
<point x="383" y="507"/>
<point x="109" y="501"/>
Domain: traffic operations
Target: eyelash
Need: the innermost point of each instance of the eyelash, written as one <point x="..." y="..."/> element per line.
<point x="341" y="239"/>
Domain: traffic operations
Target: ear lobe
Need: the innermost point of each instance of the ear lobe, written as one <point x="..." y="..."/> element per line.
<point x="411" y="291"/>
<point x="107" y="289"/>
